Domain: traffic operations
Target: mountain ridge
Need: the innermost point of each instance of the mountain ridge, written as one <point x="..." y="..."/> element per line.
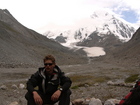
<point x="23" y="47"/>
<point x="102" y="23"/>
<point x="128" y="54"/>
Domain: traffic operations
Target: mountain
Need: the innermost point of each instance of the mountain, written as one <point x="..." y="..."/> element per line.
<point x="101" y="29"/>
<point x="129" y="52"/>
<point x="23" y="47"/>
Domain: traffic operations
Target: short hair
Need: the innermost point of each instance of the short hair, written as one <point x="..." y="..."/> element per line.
<point x="49" y="57"/>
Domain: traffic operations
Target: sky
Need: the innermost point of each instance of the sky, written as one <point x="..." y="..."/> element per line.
<point x="35" y="14"/>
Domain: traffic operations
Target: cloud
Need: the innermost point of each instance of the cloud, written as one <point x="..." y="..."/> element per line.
<point x="38" y="13"/>
<point x="128" y="8"/>
<point x="121" y="7"/>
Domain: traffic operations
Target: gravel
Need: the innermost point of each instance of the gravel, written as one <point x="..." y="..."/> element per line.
<point x="10" y="76"/>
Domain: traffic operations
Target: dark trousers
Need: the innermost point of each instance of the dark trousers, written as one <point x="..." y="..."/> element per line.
<point x="64" y="98"/>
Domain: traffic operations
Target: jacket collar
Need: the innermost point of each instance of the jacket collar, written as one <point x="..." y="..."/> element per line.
<point x="42" y="71"/>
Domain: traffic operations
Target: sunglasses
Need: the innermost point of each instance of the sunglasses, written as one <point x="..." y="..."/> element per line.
<point x="48" y="64"/>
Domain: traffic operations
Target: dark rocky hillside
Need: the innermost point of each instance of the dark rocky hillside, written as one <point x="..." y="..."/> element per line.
<point x="128" y="53"/>
<point x="23" y="47"/>
<point x="108" y="42"/>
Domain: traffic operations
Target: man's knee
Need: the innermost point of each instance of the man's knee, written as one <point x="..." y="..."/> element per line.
<point x="65" y="98"/>
<point x="66" y="94"/>
<point x="28" y="96"/>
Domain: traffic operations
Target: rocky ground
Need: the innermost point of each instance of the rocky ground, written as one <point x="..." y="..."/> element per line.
<point x="92" y="83"/>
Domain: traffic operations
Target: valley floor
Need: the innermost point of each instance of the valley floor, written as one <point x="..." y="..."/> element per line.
<point x="100" y="73"/>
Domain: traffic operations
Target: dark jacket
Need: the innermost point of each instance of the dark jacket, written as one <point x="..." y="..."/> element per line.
<point x="133" y="97"/>
<point x="48" y="84"/>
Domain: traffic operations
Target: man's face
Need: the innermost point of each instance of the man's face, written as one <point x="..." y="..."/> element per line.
<point x="49" y="66"/>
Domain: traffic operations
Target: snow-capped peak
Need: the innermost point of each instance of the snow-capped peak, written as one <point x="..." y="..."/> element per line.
<point x="101" y="22"/>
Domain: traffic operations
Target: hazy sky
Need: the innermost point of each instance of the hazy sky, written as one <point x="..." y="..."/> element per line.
<point x="38" y="13"/>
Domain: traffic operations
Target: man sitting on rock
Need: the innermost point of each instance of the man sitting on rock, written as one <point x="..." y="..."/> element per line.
<point x="52" y="85"/>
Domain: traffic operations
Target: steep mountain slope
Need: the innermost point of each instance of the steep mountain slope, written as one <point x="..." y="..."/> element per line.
<point x="128" y="53"/>
<point x="20" y="46"/>
<point x="102" y="27"/>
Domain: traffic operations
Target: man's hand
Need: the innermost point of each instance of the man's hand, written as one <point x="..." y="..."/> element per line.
<point x="37" y="98"/>
<point x="56" y="95"/>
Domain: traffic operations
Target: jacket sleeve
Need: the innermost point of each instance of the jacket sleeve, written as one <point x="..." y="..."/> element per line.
<point x="33" y="82"/>
<point x="65" y="82"/>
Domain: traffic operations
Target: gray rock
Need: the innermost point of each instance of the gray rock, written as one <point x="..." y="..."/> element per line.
<point x="79" y="101"/>
<point x="130" y="84"/>
<point x="110" y="83"/>
<point x="14" y="86"/>
<point x="111" y="102"/>
<point x="94" y="101"/>
<point x="14" y="103"/>
<point x="3" y="87"/>
<point x="21" y="86"/>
